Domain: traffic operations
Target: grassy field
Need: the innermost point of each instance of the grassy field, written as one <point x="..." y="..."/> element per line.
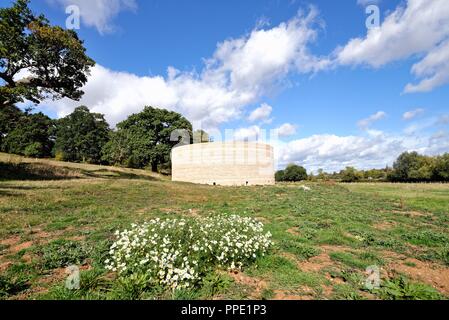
<point x="324" y="238"/>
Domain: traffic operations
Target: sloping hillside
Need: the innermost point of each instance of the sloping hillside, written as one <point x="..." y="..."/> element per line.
<point x="13" y="167"/>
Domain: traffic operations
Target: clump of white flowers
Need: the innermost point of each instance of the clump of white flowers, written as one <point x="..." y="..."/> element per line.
<point x="176" y="253"/>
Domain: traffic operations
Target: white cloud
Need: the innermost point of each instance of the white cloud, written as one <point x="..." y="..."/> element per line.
<point x="434" y="68"/>
<point x="252" y="133"/>
<point x="365" y="123"/>
<point x="409" y="115"/>
<point x="99" y="13"/>
<point x="286" y="130"/>
<point x="262" y="113"/>
<point x="421" y="27"/>
<point x="240" y="72"/>
<point x="373" y="150"/>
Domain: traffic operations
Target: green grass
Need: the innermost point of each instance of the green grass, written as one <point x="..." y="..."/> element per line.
<point x="324" y="239"/>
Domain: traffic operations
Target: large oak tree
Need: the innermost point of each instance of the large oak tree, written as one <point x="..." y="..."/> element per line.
<point x="37" y="60"/>
<point x="145" y="139"/>
<point x="81" y="136"/>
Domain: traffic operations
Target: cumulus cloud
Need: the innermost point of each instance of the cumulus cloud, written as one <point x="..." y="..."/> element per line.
<point x="238" y="74"/>
<point x="434" y="68"/>
<point x="252" y="133"/>
<point x="420" y="27"/>
<point x="372" y="150"/>
<point x="409" y="115"/>
<point x="286" y="130"/>
<point x="262" y="113"/>
<point x="366" y="123"/>
<point x="99" y="13"/>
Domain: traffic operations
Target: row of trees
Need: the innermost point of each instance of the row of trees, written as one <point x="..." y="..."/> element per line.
<point x="408" y="167"/>
<point x="143" y="140"/>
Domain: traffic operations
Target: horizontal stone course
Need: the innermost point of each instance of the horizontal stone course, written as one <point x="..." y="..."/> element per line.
<point x="224" y="163"/>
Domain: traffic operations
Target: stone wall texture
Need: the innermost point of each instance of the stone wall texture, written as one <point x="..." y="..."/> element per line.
<point x="224" y="163"/>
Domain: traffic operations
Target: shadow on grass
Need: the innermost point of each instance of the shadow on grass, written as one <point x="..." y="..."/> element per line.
<point x="113" y="174"/>
<point x="27" y="171"/>
<point x="40" y="172"/>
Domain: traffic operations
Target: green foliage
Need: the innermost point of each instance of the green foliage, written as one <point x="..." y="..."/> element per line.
<point x="400" y="288"/>
<point x="441" y="169"/>
<point x="62" y="253"/>
<point x="280" y="176"/>
<point x="131" y="287"/>
<point x="147" y="138"/>
<point x="412" y="167"/>
<point x="356" y="261"/>
<point x="292" y="173"/>
<point x="214" y="283"/>
<point x="81" y="136"/>
<point x="350" y="174"/>
<point x="426" y="237"/>
<point x="9" y="116"/>
<point x="31" y="134"/>
<point x="54" y="57"/>
<point x="12" y="285"/>
<point x="300" y="250"/>
<point x="15" y="280"/>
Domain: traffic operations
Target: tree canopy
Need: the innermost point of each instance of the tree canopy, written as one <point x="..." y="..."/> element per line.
<point x="412" y="167"/>
<point x="292" y="173"/>
<point x="81" y="136"/>
<point x="145" y="139"/>
<point x="37" y="60"/>
<point x="351" y="174"/>
<point x="25" y="133"/>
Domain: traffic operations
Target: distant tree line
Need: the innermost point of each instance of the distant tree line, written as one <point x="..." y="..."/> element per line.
<point x="408" y="167"/>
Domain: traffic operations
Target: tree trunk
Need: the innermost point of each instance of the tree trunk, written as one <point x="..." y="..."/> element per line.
<point x="154" y="167"/>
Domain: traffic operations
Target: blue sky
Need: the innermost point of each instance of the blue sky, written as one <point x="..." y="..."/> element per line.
<point x="290" y="64"/>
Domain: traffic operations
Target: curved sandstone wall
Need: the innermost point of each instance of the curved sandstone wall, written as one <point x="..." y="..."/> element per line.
<point x="224" y="163"/>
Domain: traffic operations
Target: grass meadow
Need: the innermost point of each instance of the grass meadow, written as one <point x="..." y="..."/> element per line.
<point x="55" y="214"/>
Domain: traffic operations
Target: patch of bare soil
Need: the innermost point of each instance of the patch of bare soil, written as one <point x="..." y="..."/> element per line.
<point x="257" y="285"/>
<point x="263" y="220"/>
<point x="315" y="264"/>
<point x="12" y="241"/>
<point x="293" y="231"/>
<point x="430" y="273"/>
<point x="413" y="214"/>
<point x="328" y="248"/>
<point x="5" y="265"/>
<point x="385" y="225"/>
<point x="38" y="236"/>
<point x="20" y="247"/>
<point x="282" y="295"/>
<point x="193" y="212"/>
<point x="77" y="238"/>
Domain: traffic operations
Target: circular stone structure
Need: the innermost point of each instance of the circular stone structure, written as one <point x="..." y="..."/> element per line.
<point x="224" y="163"/>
